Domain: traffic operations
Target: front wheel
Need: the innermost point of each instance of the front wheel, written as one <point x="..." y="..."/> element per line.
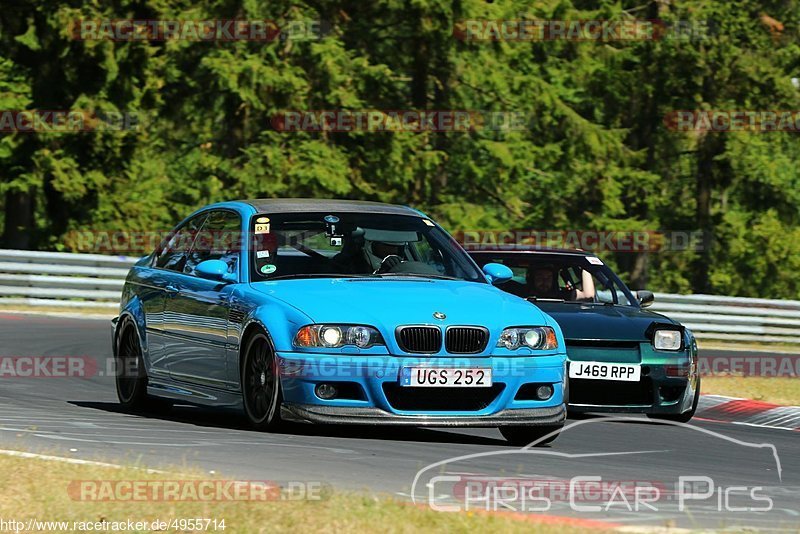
<point x="261" y="394"/>
<point x="524" y="435"/>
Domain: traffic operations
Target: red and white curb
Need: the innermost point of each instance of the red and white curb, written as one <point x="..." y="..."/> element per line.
<point x="748" y="412"/>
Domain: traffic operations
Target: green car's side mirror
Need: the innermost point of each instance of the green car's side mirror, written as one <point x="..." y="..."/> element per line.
<point x="646" y="298"/>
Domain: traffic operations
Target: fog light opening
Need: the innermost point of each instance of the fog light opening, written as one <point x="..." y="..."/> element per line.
<point x="544" y="392"/>
<point x="326" y="391"/>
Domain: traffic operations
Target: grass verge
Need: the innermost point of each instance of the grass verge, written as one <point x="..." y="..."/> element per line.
<point x="50" y="491"/>
<point x="777" y="390"/>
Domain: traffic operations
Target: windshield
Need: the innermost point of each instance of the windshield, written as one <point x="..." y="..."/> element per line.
<point x="320" y="245"/>
<point x="560" y="277"/>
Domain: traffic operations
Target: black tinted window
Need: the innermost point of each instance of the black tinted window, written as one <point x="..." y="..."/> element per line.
<point x="172" y="254"/>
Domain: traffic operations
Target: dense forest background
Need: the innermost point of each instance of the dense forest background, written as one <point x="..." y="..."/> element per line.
<point x="596" y="154"/>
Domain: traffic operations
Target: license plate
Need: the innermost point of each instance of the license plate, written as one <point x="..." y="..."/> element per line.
<point x="445" y="377"/>
<point x="605" y="371"/>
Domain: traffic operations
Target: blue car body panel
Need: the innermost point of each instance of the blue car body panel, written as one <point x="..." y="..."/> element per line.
<point x="192" y="330"/>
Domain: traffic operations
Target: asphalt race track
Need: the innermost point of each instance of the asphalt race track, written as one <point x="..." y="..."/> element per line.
<point x="747" y="468"/>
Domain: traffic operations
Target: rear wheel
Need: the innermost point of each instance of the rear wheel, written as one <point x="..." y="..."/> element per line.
<point x="261" y="394"/>
<point x="131" y="376"/>
<point x="525" y="435"/>
<point x="684" y="417"/>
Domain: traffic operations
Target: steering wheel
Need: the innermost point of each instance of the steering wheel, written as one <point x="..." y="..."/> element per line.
<point x="388" y="263"/>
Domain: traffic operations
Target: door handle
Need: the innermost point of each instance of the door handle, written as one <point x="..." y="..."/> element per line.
<point x="170" y="288"/>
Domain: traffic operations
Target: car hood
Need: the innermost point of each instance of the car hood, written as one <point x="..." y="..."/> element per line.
<point x="388" y="303"/>
<point x="588" y="321"/>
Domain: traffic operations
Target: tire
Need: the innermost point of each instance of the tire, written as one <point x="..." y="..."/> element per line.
<point x="521" y="436"/>
<point x="261" y="392"/>
<point x="684" y="417"/>
<point x="131" y="375"/>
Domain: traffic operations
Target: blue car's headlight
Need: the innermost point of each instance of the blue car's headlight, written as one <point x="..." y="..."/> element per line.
<point x="532" y="337"/>
<point x="331" y="336"/>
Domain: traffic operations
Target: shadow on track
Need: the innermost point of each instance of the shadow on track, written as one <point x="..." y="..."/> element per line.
<point x="233" y="420"/>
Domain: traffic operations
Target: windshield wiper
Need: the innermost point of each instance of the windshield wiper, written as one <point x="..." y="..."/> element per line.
<point x="421" y="275"/>
<point x="315" y="275"/>
<point x="586" y="302"/>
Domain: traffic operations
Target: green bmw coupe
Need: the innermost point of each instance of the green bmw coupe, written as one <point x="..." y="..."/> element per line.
<point x="622" y="357"/>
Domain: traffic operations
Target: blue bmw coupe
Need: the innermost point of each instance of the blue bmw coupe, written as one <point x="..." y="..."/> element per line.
<point x="335" y="312"/>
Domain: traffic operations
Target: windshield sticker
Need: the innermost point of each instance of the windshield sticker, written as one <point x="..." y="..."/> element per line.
<point x="593" y="260"/>
<point x="268" y="269"/>
<point x="262" y="220"/>
<point x="262" y="254"/>
<point x="262" y="228"/>
<point x="428" y="222"/>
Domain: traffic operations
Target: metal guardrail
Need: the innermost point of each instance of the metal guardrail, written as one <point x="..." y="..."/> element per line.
<point x="734" y="318"/>
<point x="64" y="280"/>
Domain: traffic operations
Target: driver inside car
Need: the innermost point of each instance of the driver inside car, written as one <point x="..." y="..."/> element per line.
<point x="542" y="282"/>
<point x="390" y="255"/>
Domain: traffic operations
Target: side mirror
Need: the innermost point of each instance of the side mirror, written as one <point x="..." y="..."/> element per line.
<point x="646" y="298"/>
<point x="216" y="270"/>
<point x="497" y="273"/>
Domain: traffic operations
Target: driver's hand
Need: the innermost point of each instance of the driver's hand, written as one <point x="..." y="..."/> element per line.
<point x="389" y="262"/>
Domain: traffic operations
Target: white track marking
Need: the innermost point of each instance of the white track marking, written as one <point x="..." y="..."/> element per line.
<point x="77" y="461"/>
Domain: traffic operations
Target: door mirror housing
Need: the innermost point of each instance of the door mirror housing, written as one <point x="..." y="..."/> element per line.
<point x="646" y="298"/>
<point x="216" y="270"/>
<point x="497" y="273"/>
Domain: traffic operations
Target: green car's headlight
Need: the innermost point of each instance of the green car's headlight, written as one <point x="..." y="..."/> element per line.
<point x="532" y="337"/>
<point x="667" y="340"/>
<point x="331" y="336"/>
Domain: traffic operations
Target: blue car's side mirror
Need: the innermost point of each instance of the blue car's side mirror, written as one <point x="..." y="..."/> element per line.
<point x="216" y="270"/>
<point x="497" y="273"/>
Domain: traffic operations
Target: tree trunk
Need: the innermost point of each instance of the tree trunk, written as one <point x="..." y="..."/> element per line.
<point x="18" y="224"/>
<point x="708" y="150"/>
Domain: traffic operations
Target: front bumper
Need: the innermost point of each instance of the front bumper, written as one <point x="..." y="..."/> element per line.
<point x="309" y="413"/>
<point x="373" y="395"/>
<point x="667" y="386"/>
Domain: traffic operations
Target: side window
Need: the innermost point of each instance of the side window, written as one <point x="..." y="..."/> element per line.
<point x="219" y="239"/>
<point x="172" y="254"/>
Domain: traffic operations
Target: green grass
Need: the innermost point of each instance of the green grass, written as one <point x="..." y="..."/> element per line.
<point x="32" y="488"/>
<point x="777" y="390"/>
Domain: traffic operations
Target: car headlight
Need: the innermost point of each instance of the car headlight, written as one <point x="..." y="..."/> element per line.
<point x="667" y="340"/>
<point x="537" y="338"/>
<point x="331" y="336"/>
